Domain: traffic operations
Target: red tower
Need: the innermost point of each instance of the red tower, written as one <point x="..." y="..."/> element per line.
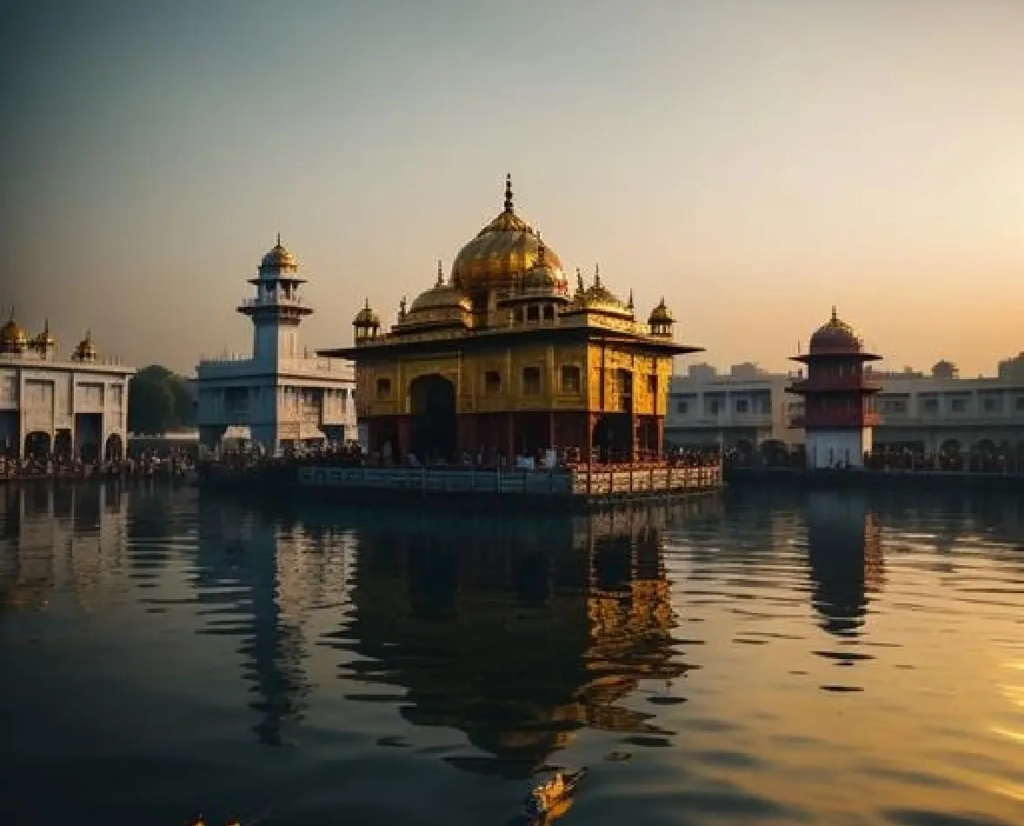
<point x="838" y="394"/>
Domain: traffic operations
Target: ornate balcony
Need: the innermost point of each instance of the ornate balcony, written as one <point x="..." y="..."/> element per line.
<point x="835" y="418"/>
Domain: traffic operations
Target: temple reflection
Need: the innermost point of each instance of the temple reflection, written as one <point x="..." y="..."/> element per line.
<point x="516" y="632"/>
<point x="240" y="558"/>
<point x="845" y="558"/>
<point x="59" y="538"/>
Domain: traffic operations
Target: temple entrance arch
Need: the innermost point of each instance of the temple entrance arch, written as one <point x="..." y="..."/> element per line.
<point x="613" y="437"/>
<point x="434" y="427"/>
<point x="113" y="450"/>
<point x="37" y="445"/>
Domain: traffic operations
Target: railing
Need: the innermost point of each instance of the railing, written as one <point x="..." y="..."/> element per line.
<point x="272" y="301"/>
<point x="566" y="482"/>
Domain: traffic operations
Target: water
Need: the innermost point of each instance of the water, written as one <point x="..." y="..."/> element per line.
<point x="822" y="659"/>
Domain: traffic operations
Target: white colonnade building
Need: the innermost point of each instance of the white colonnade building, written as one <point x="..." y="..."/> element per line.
<point x="280" y="396"/>
<point x="69" y="407"/>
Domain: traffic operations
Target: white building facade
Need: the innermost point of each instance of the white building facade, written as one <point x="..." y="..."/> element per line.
<point x="73" y="407"/>
<point x="279" y="397"/>
<point x="749" y="407"/>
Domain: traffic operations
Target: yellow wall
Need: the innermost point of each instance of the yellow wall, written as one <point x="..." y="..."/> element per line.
<point x="467" y="372"/>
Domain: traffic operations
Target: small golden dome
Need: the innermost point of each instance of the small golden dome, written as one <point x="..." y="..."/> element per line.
<point x="279" y="258"/>
<point x="835" y="336"/>
<point x="598" y="297"/>
<point x="12" y="336"/>
<point x="503" y="250"/>
<point x="366" y="317"/>
<point x="441" y="296"/>
<point x="544" y="278"/>
<point x="661" y="315"/>
<point x="86" y="350"/>
<point x="43" y="341"/>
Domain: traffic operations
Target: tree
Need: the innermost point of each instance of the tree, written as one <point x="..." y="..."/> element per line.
<point x="158" y="400"/>
<point x="150" y="406"/>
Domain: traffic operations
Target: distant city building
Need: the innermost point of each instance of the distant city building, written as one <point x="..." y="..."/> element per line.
<point x="915" y="409"/>
<point x="74" y="407"/>
<point x="280" y="396"/>
<point x="838" y="397"/>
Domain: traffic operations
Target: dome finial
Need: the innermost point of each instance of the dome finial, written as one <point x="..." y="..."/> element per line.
<point x="629" y="303"/>
<point x="279" y="239"/>
<point x="835" y="317"/>
<point x="508" y="193"/>
<point x="579" y="281"/>
<point x="597" y="275"/>
<point x="440" y="274"/>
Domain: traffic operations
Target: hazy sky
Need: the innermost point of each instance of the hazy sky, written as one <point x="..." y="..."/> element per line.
<point x="754" y="161"/>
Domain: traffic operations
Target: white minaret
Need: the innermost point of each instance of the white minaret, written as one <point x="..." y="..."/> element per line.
<point x="277" y="310"/>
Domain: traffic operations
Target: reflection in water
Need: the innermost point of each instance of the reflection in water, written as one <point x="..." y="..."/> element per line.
<point x="845" y="558"/>
<point x="162" y="640"/>
<point x="239" y="571"/>
<point x="516" y="632"/>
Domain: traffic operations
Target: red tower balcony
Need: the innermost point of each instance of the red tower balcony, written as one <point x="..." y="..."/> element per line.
<point x="835" y="419"/>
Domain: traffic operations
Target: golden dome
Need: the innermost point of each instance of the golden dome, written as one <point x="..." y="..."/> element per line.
<point x="86" y="350"/>
<point x="12" y="336"/>
<point x="598" y="297"/>
<point x="544" y="278"/>
<point x="835" y="336"/>
<point x="441" y="296"/>
<point x="504" y="249"/>
<point x="366" y="317"/>
<point x="279" y="258"/>
<point x="661" y="315"/>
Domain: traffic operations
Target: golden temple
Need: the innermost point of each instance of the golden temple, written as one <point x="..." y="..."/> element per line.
<point x="503" y="358"/>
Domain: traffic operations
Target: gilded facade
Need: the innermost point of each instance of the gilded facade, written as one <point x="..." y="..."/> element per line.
<point x="506" y="357"/>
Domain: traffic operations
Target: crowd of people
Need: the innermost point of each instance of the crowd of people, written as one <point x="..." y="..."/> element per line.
<point x="144" y="464"/>
<point x="891" y="458"/>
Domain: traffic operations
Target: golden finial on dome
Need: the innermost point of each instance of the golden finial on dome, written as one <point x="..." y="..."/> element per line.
<point x="440" y="274"/>
<point x="597" y="275"/>
<point x="629" y="304"/>
<point x="580" y="287"/>
<point x="508" y="193"/>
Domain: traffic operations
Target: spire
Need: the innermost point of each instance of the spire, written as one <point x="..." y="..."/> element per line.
<point x="508" y="193"/>
<point x="367" y="305"/>
<point x="835" y="318"/>
<point x="440" y="274"/>
<point x="629" y="304"/>
<point x="279" y="239"/>
<point x="579" y="281"/>
<point x="597" y="275"/>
